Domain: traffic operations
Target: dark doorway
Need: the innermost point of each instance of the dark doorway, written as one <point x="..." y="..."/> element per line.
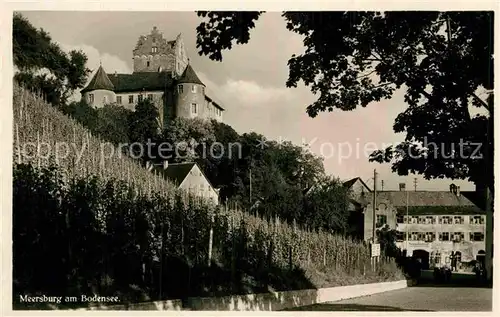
<point x="423" y="256"/>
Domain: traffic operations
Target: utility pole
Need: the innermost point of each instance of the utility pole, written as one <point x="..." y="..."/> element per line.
<point x="250" y="198"/>
<point x="407" y="221"/>
<point x="415" y="183"/>
<point x="374" y="205"/>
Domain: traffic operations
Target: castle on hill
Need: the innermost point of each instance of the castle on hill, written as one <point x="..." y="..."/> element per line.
<point x="162" y="73"/>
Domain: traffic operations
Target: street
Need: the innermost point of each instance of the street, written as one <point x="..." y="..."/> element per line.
<point x="462" y="294"/>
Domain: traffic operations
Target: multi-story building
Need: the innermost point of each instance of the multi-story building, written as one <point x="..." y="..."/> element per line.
<point x="430" y="225"/>
<point x="163" y="74"/>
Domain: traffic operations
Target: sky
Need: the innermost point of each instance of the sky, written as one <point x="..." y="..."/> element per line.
<point x="250" y="83"/>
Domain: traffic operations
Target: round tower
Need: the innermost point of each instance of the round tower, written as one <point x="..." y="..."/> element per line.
<point x="190" y="96"/>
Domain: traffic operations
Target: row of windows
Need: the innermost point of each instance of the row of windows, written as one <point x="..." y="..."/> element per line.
<point x="180" y="89"/>
<point x="445" y="220"/>
<point x="119" y="99"/>
<point x="442" y="236"/>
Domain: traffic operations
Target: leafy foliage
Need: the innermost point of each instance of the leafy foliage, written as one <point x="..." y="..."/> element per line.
<point x="83" y="230"/>
<point x="42" y="65"/>
<point x="354" y="58"/>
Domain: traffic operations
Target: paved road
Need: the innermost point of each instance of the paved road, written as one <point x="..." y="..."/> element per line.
<point x="460" y="295"/>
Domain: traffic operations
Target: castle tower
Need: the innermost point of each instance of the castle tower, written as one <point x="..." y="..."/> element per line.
<point x="100" y="90"/>
<point x="154" y="53"/>
<point x="190" y="95"/>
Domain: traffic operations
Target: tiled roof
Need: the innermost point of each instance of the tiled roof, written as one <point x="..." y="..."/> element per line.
<point x="139" y="81"/>
<point x="189" y="77"/>
<point x="351" y="182"/>
<point x="177" y="172"/>
<point x="99" y="81"/>
<point x="424" y="198"/>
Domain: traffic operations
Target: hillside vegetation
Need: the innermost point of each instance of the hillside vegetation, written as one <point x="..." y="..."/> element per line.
<point x="105" y="225"/>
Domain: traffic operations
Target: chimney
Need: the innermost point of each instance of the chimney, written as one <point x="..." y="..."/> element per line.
<point x="402" y="187"/>
<point x="458" y="191"/>
<point x="165" y="164"/>
<point x="453" y="189"/>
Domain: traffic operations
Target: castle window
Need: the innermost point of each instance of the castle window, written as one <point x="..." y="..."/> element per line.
<point x="399" y="218"/>
<point x="119" y="100"/>
<point x="139" y="98"/>
<point x="414" y="236"/>
<point x="458" y="220"/>
<point x="429" y="237"/>
<point x="476" y="236"/>
<point x="148" y="63"/>
<point x="381" y="220"/>
<point x="181" y="89"/>
<point x="445" y="220"/>
<point x="194" y="108"/>
<point x="131" y="99"/>
<point x="444" y="236"/>
<point x="458" y="236"/>
<point x="400" y="236"/>
<point x="193" y="88"/>
<point x="150" y="96"/>
<point x="91" y="98"/>
<point x="477" y="220"/>
<point x="154" y="49"/>
<point x="104" y="99"/>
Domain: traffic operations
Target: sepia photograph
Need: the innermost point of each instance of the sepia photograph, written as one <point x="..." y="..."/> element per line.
<point x="251" y="160"/>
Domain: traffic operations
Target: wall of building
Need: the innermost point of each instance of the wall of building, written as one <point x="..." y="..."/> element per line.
<point x="152" y="62"/>
<point x="181" y="58"/>
<point x="100" y="97"/>
<point x="156" y="97"/>
<point x="384" y="208"/>
<point x="197" y="184"/>
<point x="212" y="111"/>
<point x="466" y="246"/>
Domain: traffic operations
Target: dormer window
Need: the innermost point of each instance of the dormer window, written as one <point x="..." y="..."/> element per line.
<point x="181" y="89"/>
<point x="154" y="50"/>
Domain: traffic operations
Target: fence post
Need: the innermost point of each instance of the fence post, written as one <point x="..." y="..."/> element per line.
<point x="233" y="255"/>
<point x="18" y="145"/>
<point x="210" y="240"/>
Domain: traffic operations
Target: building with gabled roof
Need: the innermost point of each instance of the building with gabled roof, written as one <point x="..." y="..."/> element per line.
<point x="189" y="177"/>
<point x="431" y="225"/>
<point x="163" y="74"/>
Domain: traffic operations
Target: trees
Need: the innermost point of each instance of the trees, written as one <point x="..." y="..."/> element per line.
<point x="143" y="122"/>
<point x="351" y="59"/>
<point x="42" y="65"/>
<point x="326" y="206"/>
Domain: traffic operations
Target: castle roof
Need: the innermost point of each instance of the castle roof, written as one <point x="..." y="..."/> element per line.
<point x="189" y="77"/>
<point x="139" y="81"/>
<point x="99" y="81"/>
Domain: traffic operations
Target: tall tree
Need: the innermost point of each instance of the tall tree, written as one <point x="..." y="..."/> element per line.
<point x="351" y="59"/>
<point x="43" y="66"/>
